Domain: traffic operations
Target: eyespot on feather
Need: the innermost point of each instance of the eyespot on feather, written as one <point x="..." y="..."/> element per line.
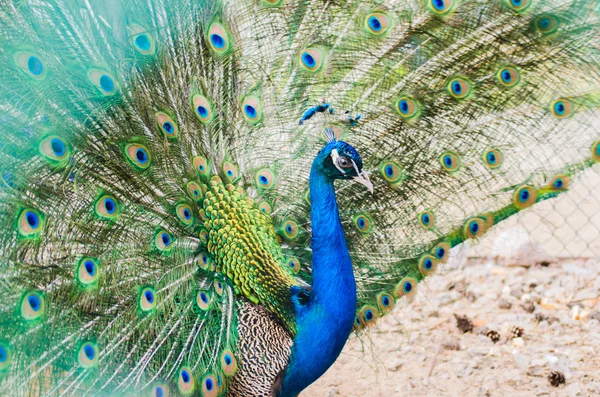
<point x="289" y="229"/>
<point x="88" y="272"/>
<point x="30" y="223"/>
<point x="252" y="110"/>
<point x="294" y="264"/>
<point x="560" y="183"/>
<point x="311" y="59"/>
<point x="546" y="24"/>
<point x="474" y="228"/>
<point x="141" y="40"/>
<point x="441" y="7"/>
<point x="104" y="82"/>
<point x="205" y="261"/>
<point x="391" y="172"/>
<point x="460" y="88"/>
<point x="377" y="23"/>
<point x="107" y="207"/>
<point x="87" y="355"/>
<point x="493" y="158"/>
<point x="166" y="125"/>
<point x="194" y="190"/>
<point x="596" y="151"/>
<point x="185" y="381"/>
<point x="161" y="390"/>
<point x="385" y="302"/>
<point x="5" y="356"/>
<point x="203" y="235"/>
<point x="163" y="241"/>
<point x="524" y="197"/>
<point x="363" y="222"/>
<point x="54" y="149"/>
<point x="138" y="156"/>
<point x="264" y="178"/>
<point x="184" y="213"/>
<point x="228" y="363"/>
<point x="265" y="207"/>
<point x="218" y="287"/>
<point x="450" y="162"/>
<point x="426" y="219"/>
<point x="203" y="300"/>
<point x="407" y="108"/>
<point x="358" y="326"/>
<point x="562" y="108"/>
<point x="406" y="287"/>
<point x="368" y="315"/>
<point x="31" y="64"/>
<point x="202" y="166"/>
<point x="147" y="299"/>
<point x="202" y="108"/>
<point x="231" y="171"/>
<point x="441" y="252"/>
<point x="32" y="305"/>
<point x="210" y="385"/>
<point x="218" y="38"/>
<point x="427" y="265"/>
<point x="518" y="5"/>
<point x="508" y="76"/>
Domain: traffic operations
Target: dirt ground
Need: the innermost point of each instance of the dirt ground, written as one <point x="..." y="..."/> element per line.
<point x="419" y="351"/>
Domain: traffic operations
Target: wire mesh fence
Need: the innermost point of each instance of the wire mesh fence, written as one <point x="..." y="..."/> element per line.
<point x="564" y="227"/>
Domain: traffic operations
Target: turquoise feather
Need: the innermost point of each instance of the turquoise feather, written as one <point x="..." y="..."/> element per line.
<point x="159" y="196"/>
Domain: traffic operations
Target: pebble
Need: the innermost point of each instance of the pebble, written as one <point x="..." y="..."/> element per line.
<point x="504" y="304"/>
<point x="479" y="351"/>
<point x="395" y="365"/>
<point x="529" y="307"/>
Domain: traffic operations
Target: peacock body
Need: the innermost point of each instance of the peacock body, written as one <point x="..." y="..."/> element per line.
<point x="168" y="219"/>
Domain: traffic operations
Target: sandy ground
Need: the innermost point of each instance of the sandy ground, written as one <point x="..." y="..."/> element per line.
<point x="419" y="351"/>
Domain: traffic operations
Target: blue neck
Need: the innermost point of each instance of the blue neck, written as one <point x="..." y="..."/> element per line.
<point x="325" y="322"/>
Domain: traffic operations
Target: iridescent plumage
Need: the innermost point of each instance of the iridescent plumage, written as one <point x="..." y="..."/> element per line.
<point x="168" y="218"/>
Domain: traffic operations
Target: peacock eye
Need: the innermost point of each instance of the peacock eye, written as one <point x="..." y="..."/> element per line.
<point x="344" y="162"/>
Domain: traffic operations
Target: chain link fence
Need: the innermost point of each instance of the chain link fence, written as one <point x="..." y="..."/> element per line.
<point x="562" y="228"/>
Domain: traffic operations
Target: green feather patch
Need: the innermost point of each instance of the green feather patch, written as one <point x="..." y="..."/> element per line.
<point x="87" y="272"/>
<point x="107" y="207"/>
<point x="30" y="223"/>
<point x="138" y="156"/>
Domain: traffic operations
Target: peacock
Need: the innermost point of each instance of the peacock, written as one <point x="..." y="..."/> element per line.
<point x="169" y="218"/>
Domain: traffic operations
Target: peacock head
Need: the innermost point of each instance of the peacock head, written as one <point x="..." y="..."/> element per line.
<point x="339" y="160"/>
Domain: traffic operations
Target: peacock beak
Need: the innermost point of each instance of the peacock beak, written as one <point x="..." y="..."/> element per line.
<point x="363" y="179"/>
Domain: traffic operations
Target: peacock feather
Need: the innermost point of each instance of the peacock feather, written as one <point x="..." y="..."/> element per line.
<point x="169" y="223"/>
